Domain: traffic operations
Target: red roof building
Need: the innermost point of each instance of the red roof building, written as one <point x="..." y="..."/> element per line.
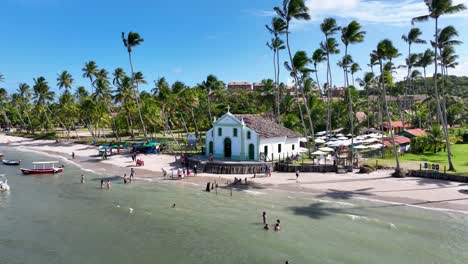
<point x="399" y="140"/>
<point x="411" y="133"/>
<point x="397" y="126"/>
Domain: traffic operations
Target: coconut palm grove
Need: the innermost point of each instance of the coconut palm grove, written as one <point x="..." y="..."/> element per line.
<point x="377" y="117"/>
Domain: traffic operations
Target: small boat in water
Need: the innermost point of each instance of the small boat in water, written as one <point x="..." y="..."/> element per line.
<point x="4" y="184"/>
<point x="43" y="167"/>
<point x="11" y="162"/>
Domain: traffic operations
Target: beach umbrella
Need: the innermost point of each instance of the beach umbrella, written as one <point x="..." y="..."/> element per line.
<point x="340" y="135"/>
<point x="342" y="138"/>
<point x="361" y="147"/>
<point x="321" y="133"/>
<point x="319" y="140"/>
<point x="318" y="152"/>
<point x="326" y="149"/>
<point x="376" y="146"/>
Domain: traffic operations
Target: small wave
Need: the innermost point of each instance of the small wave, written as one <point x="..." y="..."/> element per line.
<point x="335" y="202"/>
<point x="254" y="192"/>
<point x="371" y="220"/>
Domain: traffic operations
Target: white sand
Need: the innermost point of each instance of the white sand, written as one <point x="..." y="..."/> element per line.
<point x="153" y="163"/>
<point x="418" y="192"/>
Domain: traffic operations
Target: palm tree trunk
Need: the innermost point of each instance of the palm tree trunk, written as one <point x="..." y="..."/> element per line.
<point x="23" y="124"/>
<point x="29" y="121"/>
<point x="318" y="82"/>
<point x="182" y="120"/>
<point x="296" y="83"/>
<point x="276" y="86"/>
<point x="427" y="98"/>
<point x="278" y="110"/>
<point x="209" y="105"/>
<point x="61" y="123"/>
<point x="439" y="111"/>
<point x="137" y="96"/>
<point x="382" y="81"/>
<point x="329" y="83"/>
<point x="194" y="122"/>
<point x="350" y="105"/>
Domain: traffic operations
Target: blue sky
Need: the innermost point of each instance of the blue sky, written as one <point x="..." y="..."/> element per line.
<point x="187" y="40"/>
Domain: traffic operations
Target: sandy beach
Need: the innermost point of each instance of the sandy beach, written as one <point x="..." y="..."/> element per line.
<point x="377" y="186"/>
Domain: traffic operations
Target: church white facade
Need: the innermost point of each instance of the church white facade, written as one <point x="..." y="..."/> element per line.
<point x="250" y="137"/>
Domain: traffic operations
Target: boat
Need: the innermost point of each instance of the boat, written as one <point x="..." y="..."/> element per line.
<point x="11" y="162"/>
<point x="40" y="167"/>
<point x="4" y="184"/>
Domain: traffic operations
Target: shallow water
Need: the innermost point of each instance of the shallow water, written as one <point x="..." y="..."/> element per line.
<point x="55" y="219"/>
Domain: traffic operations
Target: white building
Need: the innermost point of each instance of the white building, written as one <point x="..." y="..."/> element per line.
<point x="250" y="137"/>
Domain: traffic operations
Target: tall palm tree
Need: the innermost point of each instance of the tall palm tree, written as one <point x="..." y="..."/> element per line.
<point x="132" y="40"/>
<point x="385" y="51"/>
<point x="124" y="96"/>
<point x="354" y="69"/>
<point x="367" y="83"/>
<point x="25" y="93"/>
<point x="351" y="34"/>
<point x="119" y="73"/>
<point x="210" y="85"/>
<point x="318" y="57"/>
<point x="426" y="59"/>
<point x="89" y="71"/>
<point x="330" y="46"/>
<point x="438" y="8"/>
<point x="276" y="28"/>
<point x="300" y="61"/>
<point x="411" y="38"/>
<point x="65" y="80"/>
<point x="43" y="95"/>
<point x="293" y="9"/>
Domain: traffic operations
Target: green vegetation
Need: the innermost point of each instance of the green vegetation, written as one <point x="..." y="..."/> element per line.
<point x="116" y="104"/>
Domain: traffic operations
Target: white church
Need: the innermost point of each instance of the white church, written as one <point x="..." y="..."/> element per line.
<point x="250" y="137"/>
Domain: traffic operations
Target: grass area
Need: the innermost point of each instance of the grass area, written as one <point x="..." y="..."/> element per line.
<point x="412" y="161"/>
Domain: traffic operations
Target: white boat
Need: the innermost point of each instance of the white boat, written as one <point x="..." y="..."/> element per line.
<point x="4" y="184"/>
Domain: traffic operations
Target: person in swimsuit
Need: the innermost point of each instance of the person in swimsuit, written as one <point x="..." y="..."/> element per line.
<point x="108" y="184"/>
<point x="102" y="183"/>
<point x="82" y="178"/>
<point x="264" y="216"/>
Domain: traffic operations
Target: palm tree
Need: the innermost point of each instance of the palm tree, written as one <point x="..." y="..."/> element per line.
<point x="2" y="78"/>
<point x="437" y="8"/>
<point x="293" y="9"/>
<point x="300" y="61"/>
<point x="124" y="95"/>
<point x="65" y="80"/>
<point x="119" y="73"/>
<point x="354" y="69"/>
<point x="385" y="51"/>
<point x="277" y="27"/>
<point x="3" y="100"/>
<point x="209" y="85"/>
<point x="42" y="94"/>
<point x="367" y="83"/>
<point x="412" y="37"/>
<point x="351" y="34"/>
<point x="89" y="71"/>
<point x="330" y="46"/>
<point x="25" y="93"/>
<point x="435" y="137"/>
<point x="425" y="59"/>
<point x="318" y="56"/>
<point x="132" y="40"/>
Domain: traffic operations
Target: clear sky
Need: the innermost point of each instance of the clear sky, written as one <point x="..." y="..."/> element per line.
<point x="187" y="40"/>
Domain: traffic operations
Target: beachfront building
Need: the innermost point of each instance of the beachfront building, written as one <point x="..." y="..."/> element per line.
<point x="250" y="137"/>
<point x="240" y="86"/>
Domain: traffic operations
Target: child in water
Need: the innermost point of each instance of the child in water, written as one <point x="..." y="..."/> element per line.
<point x="108" y="184"/>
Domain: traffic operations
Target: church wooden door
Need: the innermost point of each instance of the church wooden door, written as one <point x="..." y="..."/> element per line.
<point x="227" y="148"/>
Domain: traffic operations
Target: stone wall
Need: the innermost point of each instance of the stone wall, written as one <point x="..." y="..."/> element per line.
<point x="437" y="175"/>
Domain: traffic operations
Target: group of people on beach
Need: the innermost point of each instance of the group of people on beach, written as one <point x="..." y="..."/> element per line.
<point x="266" y="225"/>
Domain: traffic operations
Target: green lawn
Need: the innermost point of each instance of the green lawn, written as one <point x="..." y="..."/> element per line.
<point x="412" y="161"/>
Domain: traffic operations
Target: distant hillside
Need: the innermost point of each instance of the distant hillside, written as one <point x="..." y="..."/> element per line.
<point x="455" y="85"/>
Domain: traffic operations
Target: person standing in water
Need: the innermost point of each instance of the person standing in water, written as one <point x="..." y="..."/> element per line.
<point x="82" y="179"/>
<point x="277" y="226"/>
<point x="108" y="184"/>
<point x="73" y="155"/>
<point x="132" y="173"/>
<point x="125" y="178"/>
<point x="102" y="183"/>
<point x="264" y="216"/>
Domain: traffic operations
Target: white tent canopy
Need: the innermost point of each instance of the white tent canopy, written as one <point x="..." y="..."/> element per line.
<point x="326" y="149"/>
<point x="318" y="152"/>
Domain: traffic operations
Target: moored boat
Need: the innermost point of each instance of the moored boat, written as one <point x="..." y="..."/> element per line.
<point x="41" y="167"/>
<point x="11" y="162"/>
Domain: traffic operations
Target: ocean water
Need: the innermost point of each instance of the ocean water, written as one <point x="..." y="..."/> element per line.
<point x="55" y="219"/>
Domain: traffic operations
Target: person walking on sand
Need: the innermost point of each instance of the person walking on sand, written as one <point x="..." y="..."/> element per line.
<point x="297" y="175"/>
<point x="82" y="178"/>
<point x="132" y="173"/>
<point x="73" y="155"/>
<point x="108" y="184"/>
<point x="264" y="216"/>
<point x="102" y="183"/>
<point x="195" y="170"/>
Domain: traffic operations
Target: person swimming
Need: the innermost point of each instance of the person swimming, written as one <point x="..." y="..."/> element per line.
<point x="82" y="178"/>
<point x="173" y="206"/>
<point x="277" y="226"/>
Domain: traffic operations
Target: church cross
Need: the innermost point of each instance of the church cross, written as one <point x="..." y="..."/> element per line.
<point x="228" y="107"/>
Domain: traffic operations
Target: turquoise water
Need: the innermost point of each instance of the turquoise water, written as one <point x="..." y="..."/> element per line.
<point x="55" y="219"/>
